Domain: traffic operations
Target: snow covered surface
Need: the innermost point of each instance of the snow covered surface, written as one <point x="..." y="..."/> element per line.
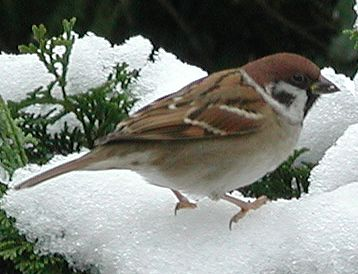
<point x="91" y="61"/>
<point x="339" y="162"/>
<point x="115" y="221"/>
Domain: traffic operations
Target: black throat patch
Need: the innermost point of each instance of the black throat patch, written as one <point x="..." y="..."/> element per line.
<point x="312" y="98"/>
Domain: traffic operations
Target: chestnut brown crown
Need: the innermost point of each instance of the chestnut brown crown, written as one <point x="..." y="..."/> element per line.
<point x="291" y="68"/>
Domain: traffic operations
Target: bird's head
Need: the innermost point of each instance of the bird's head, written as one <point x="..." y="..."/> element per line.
<point x="293" y="82"/>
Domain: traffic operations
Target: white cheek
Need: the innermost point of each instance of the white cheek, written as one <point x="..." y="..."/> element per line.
<point x="294" y="113"/>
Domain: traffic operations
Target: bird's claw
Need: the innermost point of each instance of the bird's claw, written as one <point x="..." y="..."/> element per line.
<point x="237" y="217"/>
<point x="184" y="204"/>
<point x="249" y="206"/>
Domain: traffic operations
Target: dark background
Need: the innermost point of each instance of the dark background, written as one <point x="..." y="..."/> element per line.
<point x="208" y="33"/>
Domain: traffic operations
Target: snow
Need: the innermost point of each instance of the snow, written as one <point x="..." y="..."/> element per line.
<point x="333" y="165"/>
<point x="91" y="61"/>
<point x="116" y="222"/>
<point x="20" y="74"/>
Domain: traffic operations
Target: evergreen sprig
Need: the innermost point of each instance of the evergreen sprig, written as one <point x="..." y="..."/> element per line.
<point x="103" y="107"/>
<point x="12" y="141"/>
<point x="97" y="110"/>
<point x="49" y="52"/>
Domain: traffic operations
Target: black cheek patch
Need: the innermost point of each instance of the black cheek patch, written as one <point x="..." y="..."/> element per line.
<point x="283" y="97"/>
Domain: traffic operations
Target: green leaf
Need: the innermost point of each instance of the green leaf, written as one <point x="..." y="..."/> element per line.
<point x="31" y="48"/>
<point x="68" y="24"/>
<point x="39" y="32"/>
<point x="12" y="141"/>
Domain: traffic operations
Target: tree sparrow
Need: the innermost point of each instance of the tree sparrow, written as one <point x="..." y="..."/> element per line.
<point x="217" y="134"/>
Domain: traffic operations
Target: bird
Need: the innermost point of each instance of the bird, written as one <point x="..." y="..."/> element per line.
<point x="216" y="134"/>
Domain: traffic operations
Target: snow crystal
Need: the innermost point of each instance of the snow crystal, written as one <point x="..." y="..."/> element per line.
<point x="116" y="221"/>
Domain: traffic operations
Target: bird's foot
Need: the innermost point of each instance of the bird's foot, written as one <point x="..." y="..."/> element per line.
<point x="245" y="206"/>
<point x="183" y="202"/>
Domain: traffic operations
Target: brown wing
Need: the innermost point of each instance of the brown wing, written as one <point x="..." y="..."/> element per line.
<point x="221" y="104"/>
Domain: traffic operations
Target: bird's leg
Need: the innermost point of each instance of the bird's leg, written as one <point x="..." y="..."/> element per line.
<point x="183" y="202"/>
<point x="245" y="206"/>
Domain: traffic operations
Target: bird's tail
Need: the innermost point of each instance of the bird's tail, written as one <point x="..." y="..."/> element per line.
<point x="77" y="164"/>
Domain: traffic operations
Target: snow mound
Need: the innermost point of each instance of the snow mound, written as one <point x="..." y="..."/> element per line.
<point x="119" y="223"/>
<point x="91" y="61"/>
<point x="339" y="162"/>
<point x="20" y="74"/>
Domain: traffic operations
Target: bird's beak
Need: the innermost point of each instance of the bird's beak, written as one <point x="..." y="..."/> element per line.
<point x="323" y="86"/>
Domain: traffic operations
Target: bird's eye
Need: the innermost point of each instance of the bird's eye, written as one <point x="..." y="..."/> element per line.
<point x="299" y="78"/>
